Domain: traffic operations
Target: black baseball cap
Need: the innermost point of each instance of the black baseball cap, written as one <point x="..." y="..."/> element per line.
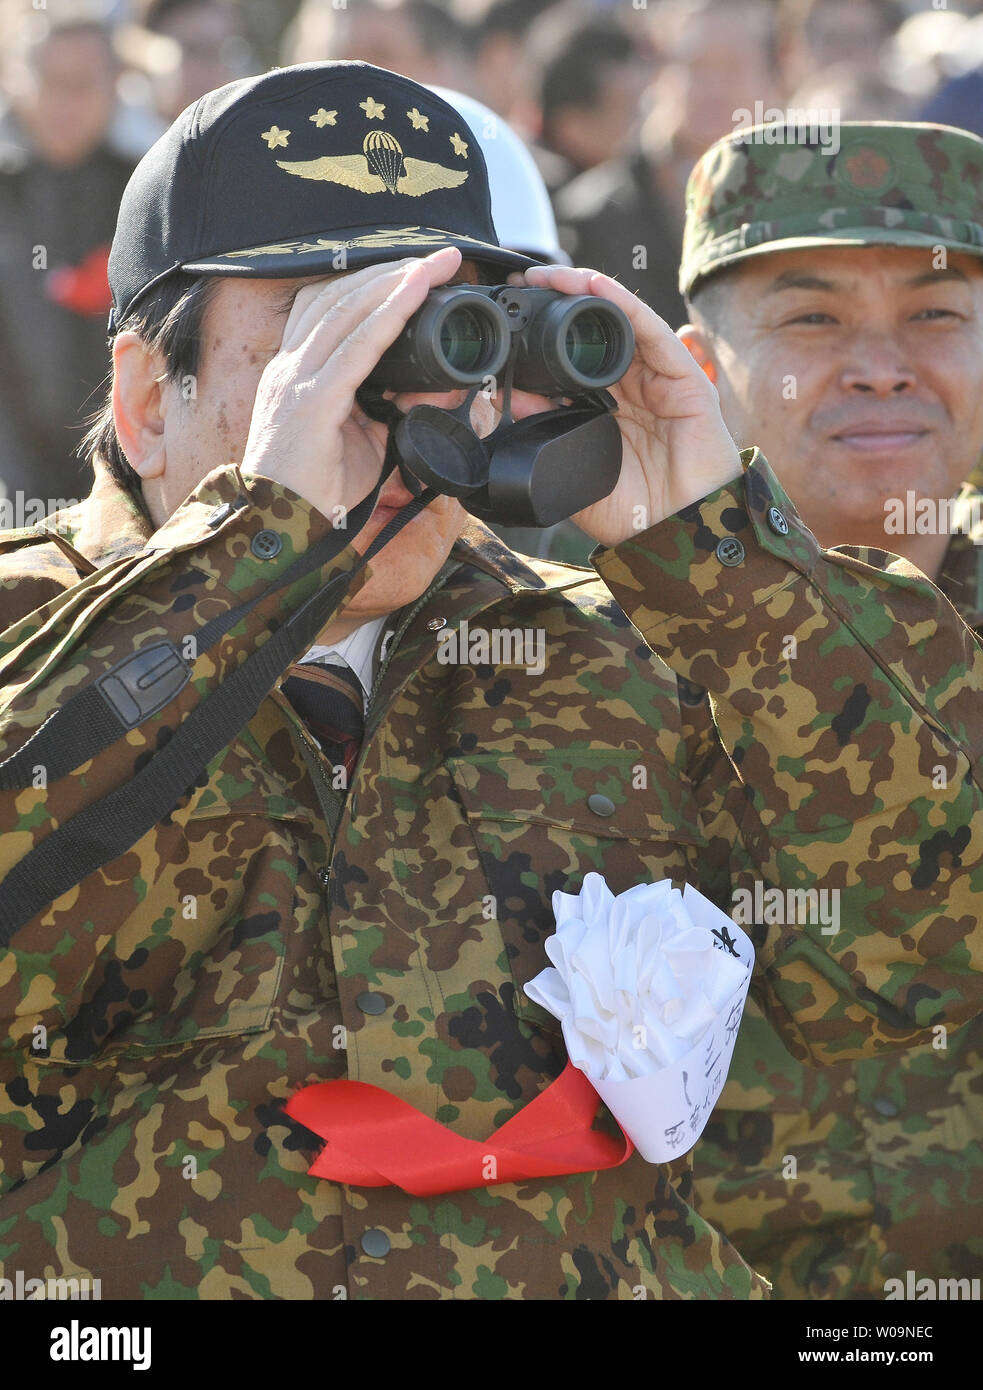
<point x="314" y="168"/>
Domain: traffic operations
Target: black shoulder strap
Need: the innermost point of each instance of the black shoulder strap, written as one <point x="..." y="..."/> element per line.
<point x="140" y="685"/>
<point x="98" y="716"/>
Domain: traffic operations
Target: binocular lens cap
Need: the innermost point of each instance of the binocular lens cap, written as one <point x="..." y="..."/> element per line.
<point x="442" y="451"/>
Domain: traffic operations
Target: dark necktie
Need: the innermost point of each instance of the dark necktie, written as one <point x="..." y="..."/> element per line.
<point x="330" y="702"/>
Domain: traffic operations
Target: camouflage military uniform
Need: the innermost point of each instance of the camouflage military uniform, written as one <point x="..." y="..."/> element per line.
<point x="157" y="1017"/>
<point x="887" y="1154"/>
<point x="832" y="1181"/>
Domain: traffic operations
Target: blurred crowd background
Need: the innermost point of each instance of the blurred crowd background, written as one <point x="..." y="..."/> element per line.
<point x="616" y="99"/>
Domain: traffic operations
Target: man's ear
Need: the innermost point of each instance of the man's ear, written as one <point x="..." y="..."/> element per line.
<point x="696" y="340"/>
<point x="138" y="378"/>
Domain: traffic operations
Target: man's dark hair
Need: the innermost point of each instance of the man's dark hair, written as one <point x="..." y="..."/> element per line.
<point x="169" y="319"/>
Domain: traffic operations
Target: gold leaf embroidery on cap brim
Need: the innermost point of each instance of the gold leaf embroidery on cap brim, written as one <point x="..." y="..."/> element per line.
<point x="396" y="237"/>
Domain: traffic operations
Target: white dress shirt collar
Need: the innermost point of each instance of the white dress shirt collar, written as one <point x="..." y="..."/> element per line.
<point x="356" y="650"/>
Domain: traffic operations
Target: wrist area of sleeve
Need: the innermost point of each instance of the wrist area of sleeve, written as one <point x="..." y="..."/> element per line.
<point x="245" y="531"/>
<point x="701" y="582"/>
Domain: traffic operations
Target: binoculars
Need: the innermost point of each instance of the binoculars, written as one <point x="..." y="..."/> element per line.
<point x="463" y="336"/>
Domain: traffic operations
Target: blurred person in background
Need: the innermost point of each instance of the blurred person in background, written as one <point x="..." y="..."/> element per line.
<point x="145" y="60"/>
<point x="958" y="96"/>
<point x="626" y="216"/>
<point x="520" y="202"/>
<point x="854" y="91"/>
<point x="60" y="186"/>
<point x="211" y="49"/>
<point x="417" y="38"/>
<point x="591" y="83"/>
<point x="815" y="34"/>
<point x="504" y="74"/>
<point x="926" y="51"/>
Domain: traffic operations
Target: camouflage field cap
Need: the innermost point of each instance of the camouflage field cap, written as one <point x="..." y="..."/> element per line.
<point x="891" y="183"/>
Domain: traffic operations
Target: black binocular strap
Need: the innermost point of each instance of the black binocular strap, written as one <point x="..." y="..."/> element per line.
<point x="102" y="832"/>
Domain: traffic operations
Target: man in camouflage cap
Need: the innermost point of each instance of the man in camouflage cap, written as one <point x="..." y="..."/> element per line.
<point x="836" y="297"/>
<point x="277" y="926"/>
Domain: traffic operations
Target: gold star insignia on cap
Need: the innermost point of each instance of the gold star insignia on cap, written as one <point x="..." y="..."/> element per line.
<point x="323" y="118"/>
<point x="460" y="146"/>
<point x="371" y="107"/>
<point x="275" y="136"/>
<point x="419" y="122"/>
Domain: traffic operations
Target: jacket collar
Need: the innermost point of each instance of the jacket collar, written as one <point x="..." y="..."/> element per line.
<point x="108" y="524"/>
<point x="112" y="522"/>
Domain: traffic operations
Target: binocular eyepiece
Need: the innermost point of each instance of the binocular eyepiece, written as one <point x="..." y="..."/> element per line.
<point x="463" y="336"/>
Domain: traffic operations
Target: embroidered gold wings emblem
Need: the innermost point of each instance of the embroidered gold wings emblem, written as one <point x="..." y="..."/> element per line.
<point x="381" y="166"/>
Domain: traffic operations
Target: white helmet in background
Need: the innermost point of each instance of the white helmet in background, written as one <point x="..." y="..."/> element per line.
<point x="520" y="204"/>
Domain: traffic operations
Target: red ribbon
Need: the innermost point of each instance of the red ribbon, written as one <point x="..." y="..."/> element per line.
<point x="374" y="1139"/>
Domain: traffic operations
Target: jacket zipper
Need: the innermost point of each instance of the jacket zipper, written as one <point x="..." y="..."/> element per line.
<point x="400" y="630"/>
<point x="327" y="797"/>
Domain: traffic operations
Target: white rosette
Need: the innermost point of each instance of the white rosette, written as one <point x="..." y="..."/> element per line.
<point x="649" y="987"/>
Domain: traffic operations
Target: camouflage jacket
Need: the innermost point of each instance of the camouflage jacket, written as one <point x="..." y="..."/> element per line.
<point x="156" y="1017"/>
<point x="833" y="1181"/>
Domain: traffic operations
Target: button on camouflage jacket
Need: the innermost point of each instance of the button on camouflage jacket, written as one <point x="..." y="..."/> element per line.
<point x="835" y="1181"/>
<point x="156" y="1017"/>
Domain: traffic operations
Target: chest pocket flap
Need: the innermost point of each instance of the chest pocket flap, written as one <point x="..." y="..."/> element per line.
<point x="542" y="822"/>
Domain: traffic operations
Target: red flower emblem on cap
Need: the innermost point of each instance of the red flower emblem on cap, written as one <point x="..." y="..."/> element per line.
<point x="868" y="168"/>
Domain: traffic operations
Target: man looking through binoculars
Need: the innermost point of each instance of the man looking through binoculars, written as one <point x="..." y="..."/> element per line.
<point x="287" y="408"/>
<point x="272" y="924"/>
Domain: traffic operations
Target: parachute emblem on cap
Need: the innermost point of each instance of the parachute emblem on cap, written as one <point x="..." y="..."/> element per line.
<point x="381" y="167"/>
